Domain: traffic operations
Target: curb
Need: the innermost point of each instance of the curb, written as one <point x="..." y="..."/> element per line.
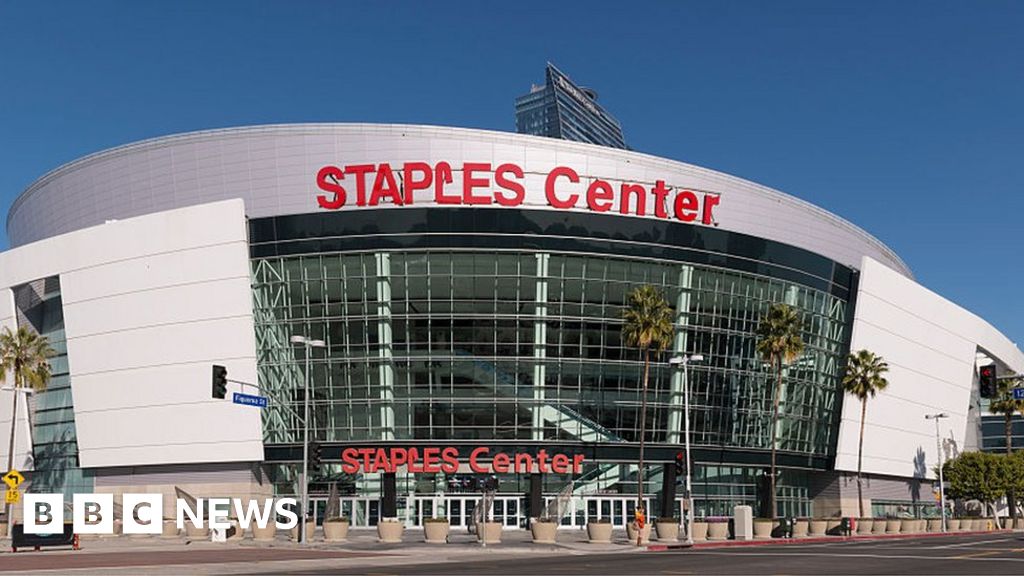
<point x="816" y="540"/>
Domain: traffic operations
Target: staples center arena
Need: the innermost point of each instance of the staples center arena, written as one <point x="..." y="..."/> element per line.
<point x="468" y="288"/>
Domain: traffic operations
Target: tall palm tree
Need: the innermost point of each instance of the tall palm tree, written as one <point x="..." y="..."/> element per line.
<point x="24" y="356"/>
<point x="1004" y="403"/>
<point x="648" y="326"/>
<point x="779" y="342"/>
<point x="863" y="379"/>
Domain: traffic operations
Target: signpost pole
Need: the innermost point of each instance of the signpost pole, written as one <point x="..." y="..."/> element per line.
<point x="938" y="451"/>
<point x="305" y="451"/>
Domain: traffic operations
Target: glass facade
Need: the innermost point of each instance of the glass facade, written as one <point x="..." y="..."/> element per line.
<point x="993" y="432"/>
<point x="54" y="437"/>
<point x="433" y="341"/>
<point x="561" y="109"/>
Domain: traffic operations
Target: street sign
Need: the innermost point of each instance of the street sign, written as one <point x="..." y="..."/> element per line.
<point x="13" y="479"/>
<point x="13" y="497"/>
<point x="249" y="400"/>
<point x="1018" y="393"/>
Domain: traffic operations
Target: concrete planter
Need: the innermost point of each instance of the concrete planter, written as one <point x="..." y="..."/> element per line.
<point x="645" y="537"/>
<point x="667" y="530"/>
<point x="170" y="529"/>
<point x="878" y="527"/>
<point x="953" y="524"/>
<point x="1019" y="524"/>
<point x="192" y="532"/>
<point x="543" y="532"/>
<point x="800" y="527"/>
<point x="763" y="528"/>
<point x="718" y="530"/>
<point x="3" y="528"/>
<point x="239" y="533"/>
<point x="310" y="531"/>
<point x="599" y="532"/>
<point x="335" y="530"/>
<point x="390" y="531"/>
<point x="700" y="531"/>
<point x="935" y="524"/>
<point x="489" y="532"/>
<point x="818" y="526"/>
<point x="435" y="530"/>
<point x="865" y="525"/>
<point x="118" y="527"/>
<point x="265" y="534"/>
<point x="908" y="526"/>
<point x="893" y="525"/>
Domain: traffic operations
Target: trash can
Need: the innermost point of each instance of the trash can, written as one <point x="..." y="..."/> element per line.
<point x="847" y="526"/>
<point x="784" y="529"/>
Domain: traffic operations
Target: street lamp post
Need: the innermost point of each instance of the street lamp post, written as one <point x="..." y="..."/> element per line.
<point x="938" y="448"/>
<point x="309" y="345"/>
<point x="685" y="361"/>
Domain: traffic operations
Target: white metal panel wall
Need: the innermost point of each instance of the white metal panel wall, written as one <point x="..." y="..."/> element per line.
<point x="150" y="303"/>
<point x="930" y="345"/>
<point x="273" y="168"/>
<point x="23" y="434"/>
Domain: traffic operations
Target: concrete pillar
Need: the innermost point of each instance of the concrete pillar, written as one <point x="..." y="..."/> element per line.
<point x="678" y="378"/>
<point x="386" y="367"/>
<point x="540" y="337"/>
<point x="535" y="497"/>
<point x="389" y="500"/>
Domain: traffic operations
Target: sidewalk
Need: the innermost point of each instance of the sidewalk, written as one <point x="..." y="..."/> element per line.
<point x="157" y="555"/>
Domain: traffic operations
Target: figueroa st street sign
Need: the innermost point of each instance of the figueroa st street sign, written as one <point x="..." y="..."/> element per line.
<point x="433" y="460"/>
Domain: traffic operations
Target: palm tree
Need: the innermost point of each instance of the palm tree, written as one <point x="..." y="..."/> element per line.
<point x="24" y="355"/>
<point x="648" y="326"/>
<point x="863" y="379"/>
<point x="779" y="342"/>
<point x="1004" y="403"/>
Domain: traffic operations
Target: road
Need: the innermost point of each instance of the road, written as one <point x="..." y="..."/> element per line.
<point x="997" y="553"/>
<point x="989" y="554"/>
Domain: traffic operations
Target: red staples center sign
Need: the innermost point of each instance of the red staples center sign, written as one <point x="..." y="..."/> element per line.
<point x="484" y="184"/>
<point x="433" y="460"/>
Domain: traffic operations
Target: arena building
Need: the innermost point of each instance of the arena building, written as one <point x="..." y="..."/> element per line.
<point x="468" y="286"/>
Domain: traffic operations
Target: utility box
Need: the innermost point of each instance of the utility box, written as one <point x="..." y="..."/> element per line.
<point x="743" y="522"/>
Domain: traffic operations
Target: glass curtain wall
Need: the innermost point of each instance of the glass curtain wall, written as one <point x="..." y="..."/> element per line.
<point x="54" y="437"/>
<point x="522" y="345"/>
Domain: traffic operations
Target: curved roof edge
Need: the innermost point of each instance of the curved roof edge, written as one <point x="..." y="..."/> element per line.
<point x="160" y="141"/>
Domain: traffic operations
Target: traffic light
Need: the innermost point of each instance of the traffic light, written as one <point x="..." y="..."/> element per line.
<point x="220" y="382"/>
<point x="680" y="463"/>
<point x="987" y="380"/>
<point x="315" y="455"/>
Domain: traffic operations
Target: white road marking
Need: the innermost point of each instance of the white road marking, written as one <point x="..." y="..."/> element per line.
<point x="880" y="556"/>
<point x="975" y="543"/>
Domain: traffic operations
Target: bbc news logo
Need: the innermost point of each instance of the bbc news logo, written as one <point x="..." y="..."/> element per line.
<point x="144" y="513"/>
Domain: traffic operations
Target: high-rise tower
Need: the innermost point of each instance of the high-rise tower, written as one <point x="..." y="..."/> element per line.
<point x="561" y="109"/>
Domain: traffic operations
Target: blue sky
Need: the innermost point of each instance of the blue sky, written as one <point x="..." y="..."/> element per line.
<point x="906" y="118"/>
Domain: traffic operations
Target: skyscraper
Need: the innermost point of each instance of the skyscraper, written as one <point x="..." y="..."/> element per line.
<point x="561" y="109"/>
